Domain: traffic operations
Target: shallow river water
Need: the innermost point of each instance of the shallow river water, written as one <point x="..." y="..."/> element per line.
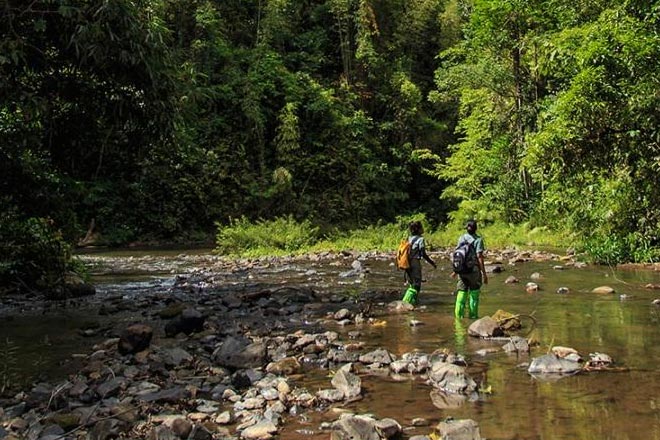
<point x="621" y="404"/>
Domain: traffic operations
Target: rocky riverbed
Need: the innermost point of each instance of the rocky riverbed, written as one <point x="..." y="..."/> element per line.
<point x="221" y="351"/>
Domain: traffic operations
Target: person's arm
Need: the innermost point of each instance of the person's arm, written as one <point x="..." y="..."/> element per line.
<point x="482" y="267"/>
<point x="422" y="250"/>
<point x="428" y="259"/>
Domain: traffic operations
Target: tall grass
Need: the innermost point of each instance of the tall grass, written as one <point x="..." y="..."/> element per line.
<point x="286" y="236"/>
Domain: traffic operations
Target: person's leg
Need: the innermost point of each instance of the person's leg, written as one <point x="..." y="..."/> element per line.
<point x="474" y="286"/>
<point x="461" y="291"/>
<point x="473" y="303"/>
<point x="410" y="296"/>
<point x="459" y="307"/>
<point x="414" y="275"/>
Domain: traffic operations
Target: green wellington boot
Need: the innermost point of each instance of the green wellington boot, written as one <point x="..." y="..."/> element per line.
<point x="459" y="308"/>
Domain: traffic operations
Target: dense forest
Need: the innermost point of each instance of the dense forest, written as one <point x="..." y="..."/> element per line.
<point x="156" y="119"/>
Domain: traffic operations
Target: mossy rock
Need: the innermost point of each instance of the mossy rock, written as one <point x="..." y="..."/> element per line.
<point x="172" y="310"/>
<point x="66" y="421"/>
<point x="507" y="321"/>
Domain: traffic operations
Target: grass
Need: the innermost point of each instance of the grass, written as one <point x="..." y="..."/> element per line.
<point x="286" y="236"/>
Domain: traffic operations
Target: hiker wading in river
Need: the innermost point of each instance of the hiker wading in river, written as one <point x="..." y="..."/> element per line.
<point x="471" y="271"/>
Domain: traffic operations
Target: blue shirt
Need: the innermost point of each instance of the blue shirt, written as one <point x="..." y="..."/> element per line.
<point x="417" y="246"/>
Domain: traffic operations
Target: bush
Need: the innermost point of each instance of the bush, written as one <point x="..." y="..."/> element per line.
<point x="613" y="249"/>
<point x="33" y="256"/>
<point x="279" y="236"/>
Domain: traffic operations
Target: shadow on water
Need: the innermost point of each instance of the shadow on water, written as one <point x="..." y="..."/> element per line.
<point x="604" y="405"/>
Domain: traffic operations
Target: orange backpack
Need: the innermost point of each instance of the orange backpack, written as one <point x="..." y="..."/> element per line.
<point x="403" y="255"/>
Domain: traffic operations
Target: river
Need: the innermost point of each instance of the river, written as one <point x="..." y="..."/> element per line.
<point x="622" y="404"/>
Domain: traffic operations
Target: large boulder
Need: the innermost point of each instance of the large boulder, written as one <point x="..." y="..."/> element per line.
<point x="354" y="427"/>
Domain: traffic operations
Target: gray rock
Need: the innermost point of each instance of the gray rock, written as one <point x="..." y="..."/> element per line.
<point x="176" y="356"/>
<point x="551" y="364"/>
<point x="346" y="382"/>
<point x="239" y="353"/>
<point x="353" y="427"/>
<point x="485" y="327"/>
<point x="517" y="344"/>
<point x="451" y="378"/>
<point x="465" y="429"/>
<point x="262" y="430"/>
<point x="388" y="428"/>
<point x="378" y="356"/>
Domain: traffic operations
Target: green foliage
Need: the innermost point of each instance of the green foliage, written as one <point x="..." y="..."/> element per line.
<point x="33" y="256"/>
<point x="613" y="249"/>
<point x="279" y="236"/>
<point x="154" y="120"/>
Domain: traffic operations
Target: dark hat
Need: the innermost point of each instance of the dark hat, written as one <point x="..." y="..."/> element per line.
<point x="471" y="225"/>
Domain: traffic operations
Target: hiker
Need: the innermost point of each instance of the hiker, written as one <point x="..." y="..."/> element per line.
<point x="413" y="274"/>
<point x="473" y="273"/>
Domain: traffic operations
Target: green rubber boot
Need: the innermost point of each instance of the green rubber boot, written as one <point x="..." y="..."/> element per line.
<point x="473" y="303"/>
<point x="410" y="296"/>
<point x="459" y="308"/>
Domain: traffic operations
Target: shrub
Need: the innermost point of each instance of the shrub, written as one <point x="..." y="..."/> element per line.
<point x="279" y="236"/>
<point x="33" y="255"/>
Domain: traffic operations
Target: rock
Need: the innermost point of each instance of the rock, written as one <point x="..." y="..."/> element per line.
<point x="172" y="395"/>
<point x="240" y="353"/>
<point x="284" y="367"/>
<point x="388" y="428"/>
<point x="652" y="286"/>
<point x="332" y="395"/>
<point x="400" y="306"/>
<point x="181" y="427"/>
<point x="342" y="314"/>
<point x="174" y="357"/>
<point x="135" y="338"/>
<point x="563" y="352"/>
<point x="162" y="433"/>
<point x="172" y="310"/>
<point x="507" y="321"/>
<point x="465" y="429"/>
<point x="656" y="302"/>
<point x="346" y="382"/>
<point x="511" y="280"/>
<point x="484" y="328"/>
<point x="599" y="361"/>
<point x="354" y="427"/>
<point x="451" y="378"/>
<point x="517" y="344"/>
<point x="551" y="364"/>
<point x="188" y="322"/>
<point x="536" y="276"/>
<point x="378" y="356"/>
<point x="494" y="268"/>
<point x="603" y="290"/>
<point x="531" y="287"/>
<point x="262" y="430"/>
<point x="563" y="290"/>
<point x="106" y="429"/>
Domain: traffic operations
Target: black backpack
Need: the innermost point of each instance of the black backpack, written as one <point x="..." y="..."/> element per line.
<point x="463" y="259"/>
